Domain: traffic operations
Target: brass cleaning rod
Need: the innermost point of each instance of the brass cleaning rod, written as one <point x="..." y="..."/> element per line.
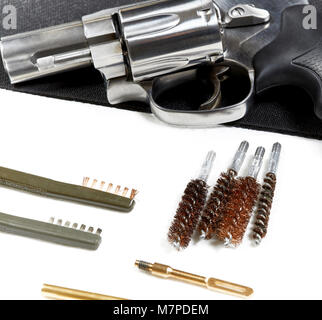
<point x="60" y="293"/>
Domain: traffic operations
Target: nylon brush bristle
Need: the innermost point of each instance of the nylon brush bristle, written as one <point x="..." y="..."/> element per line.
<point x="216" y="204"/>
<point x="188" y="214"/>
<point x="237" y="212"/>
<point x="264" y="208"/>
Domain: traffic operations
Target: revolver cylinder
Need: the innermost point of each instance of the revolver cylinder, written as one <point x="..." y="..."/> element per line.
<point x="168" y="36"/>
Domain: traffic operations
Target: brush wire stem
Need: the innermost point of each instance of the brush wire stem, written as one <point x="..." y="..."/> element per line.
<point x="274" y="159"/>
<point x="256" y="163"/>
<point x="207" y="166"/>
<point x="239" y="157"/>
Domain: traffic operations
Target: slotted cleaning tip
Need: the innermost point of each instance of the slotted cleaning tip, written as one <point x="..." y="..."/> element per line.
<point x="167" y="272"/>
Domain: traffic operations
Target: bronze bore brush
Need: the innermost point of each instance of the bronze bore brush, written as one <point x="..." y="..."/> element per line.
<point x="240" y="205"/>
<point x="220" y="193"/>
<point x="190" y="207"/>
<point x="265" y="201"/>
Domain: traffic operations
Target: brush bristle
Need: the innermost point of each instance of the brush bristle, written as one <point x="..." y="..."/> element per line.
<point x="238" y="210"/>
<point x="188" y="214"/>
<point x="215" y="204"/>
<point x="264" y="207"/>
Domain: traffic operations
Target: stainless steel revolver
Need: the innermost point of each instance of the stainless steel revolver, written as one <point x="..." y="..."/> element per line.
<point x="143" y="50"/>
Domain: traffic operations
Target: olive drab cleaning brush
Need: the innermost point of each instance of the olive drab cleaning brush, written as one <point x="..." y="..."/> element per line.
<point x="220" y="193"/>
<point x="240" y="205"/>
<point x="191" y="206"/>
<point x="265" y="201"/>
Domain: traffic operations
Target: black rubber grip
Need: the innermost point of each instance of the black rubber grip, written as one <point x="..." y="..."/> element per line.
<point x="294" y="57"/>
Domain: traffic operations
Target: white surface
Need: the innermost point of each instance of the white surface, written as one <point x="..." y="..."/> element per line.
<point x="66" y="141"/>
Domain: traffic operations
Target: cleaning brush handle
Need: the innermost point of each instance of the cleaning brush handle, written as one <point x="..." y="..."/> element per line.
<point x="274" y="159"/>
<point x="240" y="157"/>
<point x="207" y="166"/>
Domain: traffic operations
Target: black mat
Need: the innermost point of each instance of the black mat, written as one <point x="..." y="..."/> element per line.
<point x="284" y="110"/>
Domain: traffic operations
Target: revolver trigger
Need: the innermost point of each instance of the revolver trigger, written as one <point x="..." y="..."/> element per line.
<point x="218" y="74"/>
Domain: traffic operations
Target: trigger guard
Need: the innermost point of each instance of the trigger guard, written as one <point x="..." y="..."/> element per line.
<point x="198" y="118"/>
<point x="121" y="90"/>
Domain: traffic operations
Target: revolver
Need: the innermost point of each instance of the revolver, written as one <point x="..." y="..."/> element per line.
<point x="145" y="49"/>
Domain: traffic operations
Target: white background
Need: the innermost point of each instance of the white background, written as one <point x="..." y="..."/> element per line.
<point x="67" y="140"/>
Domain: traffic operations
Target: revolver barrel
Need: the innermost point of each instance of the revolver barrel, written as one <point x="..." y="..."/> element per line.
<point x="44" y="52"/>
